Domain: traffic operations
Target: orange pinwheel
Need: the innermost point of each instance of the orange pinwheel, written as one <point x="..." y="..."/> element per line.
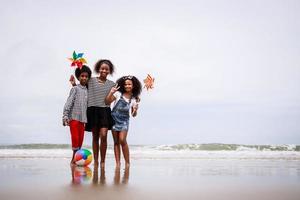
<point x="149" y="81"/>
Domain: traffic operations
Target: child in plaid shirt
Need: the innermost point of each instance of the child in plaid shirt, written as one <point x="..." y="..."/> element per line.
<point x="74" y="114"/>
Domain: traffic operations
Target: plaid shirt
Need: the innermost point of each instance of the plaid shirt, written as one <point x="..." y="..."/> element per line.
<point x="76" y="105"/>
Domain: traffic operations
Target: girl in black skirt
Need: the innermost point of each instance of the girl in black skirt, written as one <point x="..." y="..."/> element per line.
<point x="98" y="113"/>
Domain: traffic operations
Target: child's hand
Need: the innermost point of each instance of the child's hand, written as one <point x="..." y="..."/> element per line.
<point x="134" y="110"/>
<point x="72" y="80"/>
<point x="138" y="99"/>
<point x="66" y="122"/>
<point x="135" y="107"/>
<point x="114" y="89"/>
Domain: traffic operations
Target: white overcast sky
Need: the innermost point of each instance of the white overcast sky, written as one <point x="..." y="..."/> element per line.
<point x="225" y="71"/>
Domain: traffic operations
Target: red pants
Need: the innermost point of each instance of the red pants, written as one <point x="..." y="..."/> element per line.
<point x="77" y="133"/>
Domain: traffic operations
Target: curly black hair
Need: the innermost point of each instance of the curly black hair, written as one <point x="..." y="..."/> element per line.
<point x="137" y="86"/>
<point x="84" y="68"/>
<point x="108" y="62"/>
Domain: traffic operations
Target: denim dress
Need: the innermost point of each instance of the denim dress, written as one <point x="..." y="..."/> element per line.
<point x="120" y="114"/>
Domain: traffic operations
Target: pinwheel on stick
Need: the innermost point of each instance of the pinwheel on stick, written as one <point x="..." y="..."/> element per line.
<point x="77" y="60"/>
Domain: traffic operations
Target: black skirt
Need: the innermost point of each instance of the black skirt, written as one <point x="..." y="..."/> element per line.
<point x="99" y="117"/>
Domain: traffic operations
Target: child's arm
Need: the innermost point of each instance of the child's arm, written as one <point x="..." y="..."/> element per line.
<point x="134" y="110"/>
<point x="68" y="106"/>
<point x="135" y="107"/>
<point x="110" y="97"/>
<point x="72" y="80"/>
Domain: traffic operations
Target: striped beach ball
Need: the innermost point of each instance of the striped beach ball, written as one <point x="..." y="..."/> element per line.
<point x="83" y="157"/>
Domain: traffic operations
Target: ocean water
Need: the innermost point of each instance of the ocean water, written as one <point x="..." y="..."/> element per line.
<point x="178" y="151"/>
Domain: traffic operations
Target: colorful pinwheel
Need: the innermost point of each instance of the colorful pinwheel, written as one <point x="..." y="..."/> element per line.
<point x="149" y="81"/>
<point x="77" y="60"/>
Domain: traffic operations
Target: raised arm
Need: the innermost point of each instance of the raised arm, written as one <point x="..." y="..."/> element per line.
<point x="135" y="107"/>
<point x="72" y="80"/>
<point x="110" y="97"/>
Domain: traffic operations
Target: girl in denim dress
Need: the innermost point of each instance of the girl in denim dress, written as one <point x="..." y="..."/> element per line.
<point x="125" y="96"/>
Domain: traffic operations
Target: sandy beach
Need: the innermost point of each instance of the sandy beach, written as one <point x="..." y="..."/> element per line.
<point x="213" y="176"/>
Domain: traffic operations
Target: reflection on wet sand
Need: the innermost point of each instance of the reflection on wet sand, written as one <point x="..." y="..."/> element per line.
<point x="95" y="176"/>
<point x="102" y="176"/>
<point x="80" y="175"/>
<point x="125" y="176"/>
<point x="117" y="176"/>
<point x="84" y="175"/>
<point x="268" y="179"/>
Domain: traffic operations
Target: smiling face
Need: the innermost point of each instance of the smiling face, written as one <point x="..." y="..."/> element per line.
<point x="104" y="70"/>
<point x="128" y="86"/>
<point x="83" y="78"/>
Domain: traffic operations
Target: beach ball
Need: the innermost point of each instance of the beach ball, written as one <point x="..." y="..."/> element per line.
<point x="83" y="157"/>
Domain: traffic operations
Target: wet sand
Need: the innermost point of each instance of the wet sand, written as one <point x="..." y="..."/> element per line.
<point x="53" y="178"/>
